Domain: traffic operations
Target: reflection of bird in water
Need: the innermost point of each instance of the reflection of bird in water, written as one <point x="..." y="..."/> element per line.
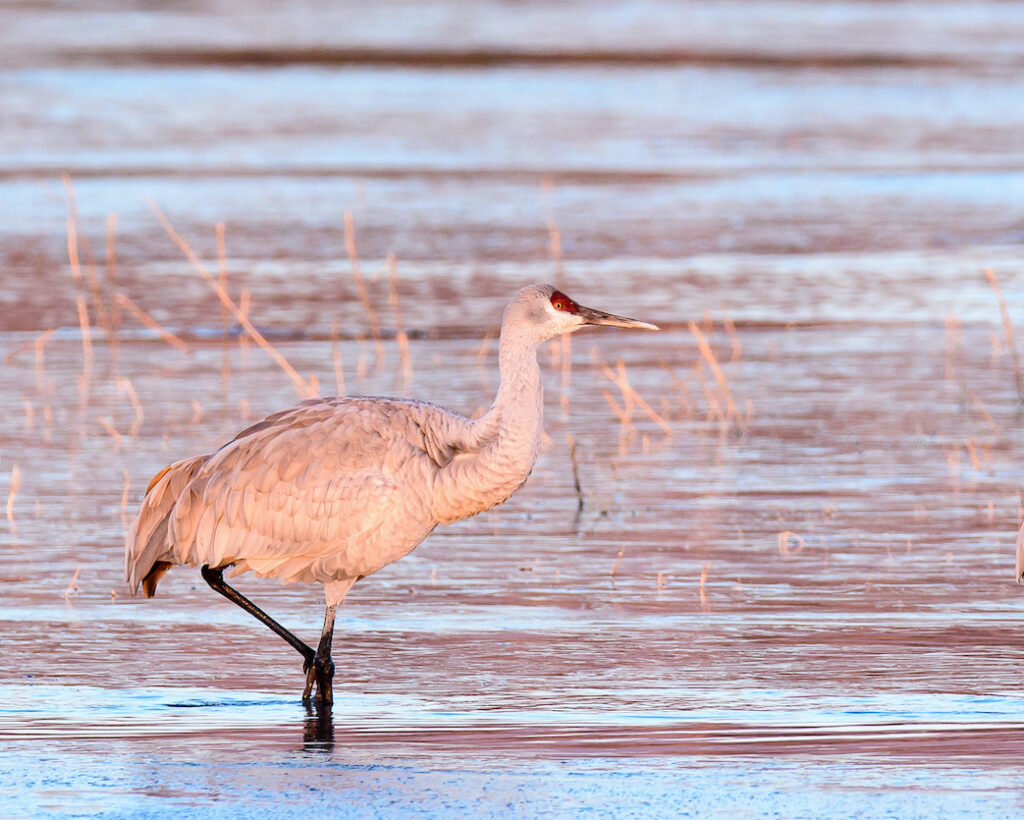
<point x="337" y="488"/>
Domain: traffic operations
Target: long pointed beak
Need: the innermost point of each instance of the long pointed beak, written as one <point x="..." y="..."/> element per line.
<point x="599" y="317"/>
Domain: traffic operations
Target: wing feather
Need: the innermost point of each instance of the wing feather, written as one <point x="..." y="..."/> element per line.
<point x="308" y="484"/>
<point x="291" y="489"/>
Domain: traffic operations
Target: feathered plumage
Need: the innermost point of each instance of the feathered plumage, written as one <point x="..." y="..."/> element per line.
<point x="337" y="488"/>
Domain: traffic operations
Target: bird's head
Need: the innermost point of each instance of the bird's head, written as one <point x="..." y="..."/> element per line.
<point x="544" y="312"/>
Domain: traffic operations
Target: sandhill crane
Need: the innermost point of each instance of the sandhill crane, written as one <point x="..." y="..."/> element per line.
<point x="337" y="488"/>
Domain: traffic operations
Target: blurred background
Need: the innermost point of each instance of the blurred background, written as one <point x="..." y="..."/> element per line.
<point x="779" y="532"/>
<point x="455" y="132"/>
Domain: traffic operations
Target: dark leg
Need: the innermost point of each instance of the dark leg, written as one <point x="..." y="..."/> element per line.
<point x="215" y="578"/>
<point x="321" y="670"/>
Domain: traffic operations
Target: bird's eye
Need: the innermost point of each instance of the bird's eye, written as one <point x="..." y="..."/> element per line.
<point x="559" y="301"/>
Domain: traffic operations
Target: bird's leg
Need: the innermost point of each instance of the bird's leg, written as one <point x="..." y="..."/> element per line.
<point x="215" y="578"/>
<point x="321" y="668"/>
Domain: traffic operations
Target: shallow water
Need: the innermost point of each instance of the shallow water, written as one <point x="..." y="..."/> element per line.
<point x="806" y="608"/>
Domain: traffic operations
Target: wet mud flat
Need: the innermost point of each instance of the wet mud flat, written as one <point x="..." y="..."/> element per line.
<point x="771" y="571"/>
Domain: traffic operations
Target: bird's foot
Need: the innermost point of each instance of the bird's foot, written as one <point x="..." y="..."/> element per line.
<point x="319" y="671"/>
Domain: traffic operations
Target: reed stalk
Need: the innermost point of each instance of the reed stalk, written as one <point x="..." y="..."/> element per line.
<point x="302" y="387"/>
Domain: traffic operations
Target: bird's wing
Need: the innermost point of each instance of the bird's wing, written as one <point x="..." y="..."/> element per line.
<point x="146" y="542"/>
<point x="294" y="486"/>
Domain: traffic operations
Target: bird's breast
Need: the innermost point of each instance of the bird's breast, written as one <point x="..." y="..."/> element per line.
<point x="472" y="483"/>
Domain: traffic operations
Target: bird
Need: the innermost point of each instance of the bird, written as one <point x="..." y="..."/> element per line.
<point x="337" y="488"/>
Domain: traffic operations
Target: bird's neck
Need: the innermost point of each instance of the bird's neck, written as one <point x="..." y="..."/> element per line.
<point x="517" y="412"/>
<point x="506" y="440"/>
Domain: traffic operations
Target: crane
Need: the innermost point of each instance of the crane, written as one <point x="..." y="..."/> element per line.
<point x="337" y="488"/>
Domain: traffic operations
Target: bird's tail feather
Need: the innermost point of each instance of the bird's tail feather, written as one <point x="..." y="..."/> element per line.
<point x="148" y="555"/>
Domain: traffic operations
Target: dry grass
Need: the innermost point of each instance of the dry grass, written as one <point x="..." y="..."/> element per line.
<point x="615" y="566"/>
<point x="39" y="343"/>
<point x="954" y="347"/>
<point x="13" y="492"/>
<point x="364" y="296"/>
<point x="734" y="340"/>
<point x="302" y="387"/>
<point x="554" y="235"/>
<point x="400" y="335"/>
<point x="575" y="472"/>
<point x="81" y="239"/>
<point x="124" y="500"/>
<point x="565" y="373"/>
<point x="111" y="274"/>
<point x="112" y="431"/>
<point x="565" y="340"/>
<point x="708" y="355"/>
<point x="629" y="395"/>
<point x="83" y="311"/>
<point x="243" y="338"/>
<point x="485" y="347"/>
<point x="339" y="370"/>
<point x="72" y="588"/>
<point x="980" y="406"/>
<point x="225" y="333"/>
<point x="687" y="403"/>
<point x="174" y="341"/>
<point x="125" y="386"/>
<point x="1011" y="339"/>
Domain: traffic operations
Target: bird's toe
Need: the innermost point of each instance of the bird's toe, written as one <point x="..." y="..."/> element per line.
<point x="320" y="673"/>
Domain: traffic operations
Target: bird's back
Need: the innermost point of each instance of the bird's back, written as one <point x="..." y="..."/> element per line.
<point x="333" y="488"/>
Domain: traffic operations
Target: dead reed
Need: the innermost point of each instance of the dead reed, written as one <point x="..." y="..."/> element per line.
<point x="615" y="566"/>
<point x="554" y="235"/>
<point x="124" y="500"/>
<point x="400" y="335"/>
<point x="225" y="332"/>
<point x="555" y="250"/>
<point x="125" y="386"/>
<point x="361" y="365"/>
<point x="565" y="375"/>
<point x="686" y="401"/>
<point x="1011" y="339"/>
<point x="629" y="395"/>
<point x="110" y="266"/>
<point x="83" y="311"/>
<point x="708" y="355"/>
<point x="981" y="408"/>
<point x="715" y="412"/>
<point x="485" y="347"/>
<point x="13" y="492"/>
<point x="575" y="472"/>
<point x="174" y="341"/>
<point x="954" y="346"/>
<point x="364" y="296"/>
<point x="112" y="431"/>
<point x="339" y="370"/>
<point x="72" y="587"/>
<point x="39" y="343"/>
<point x="244" y="305"/>
<point x="302" y="387"/>
<point x="82" y="239"/>
<point x="734" y="339"/>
